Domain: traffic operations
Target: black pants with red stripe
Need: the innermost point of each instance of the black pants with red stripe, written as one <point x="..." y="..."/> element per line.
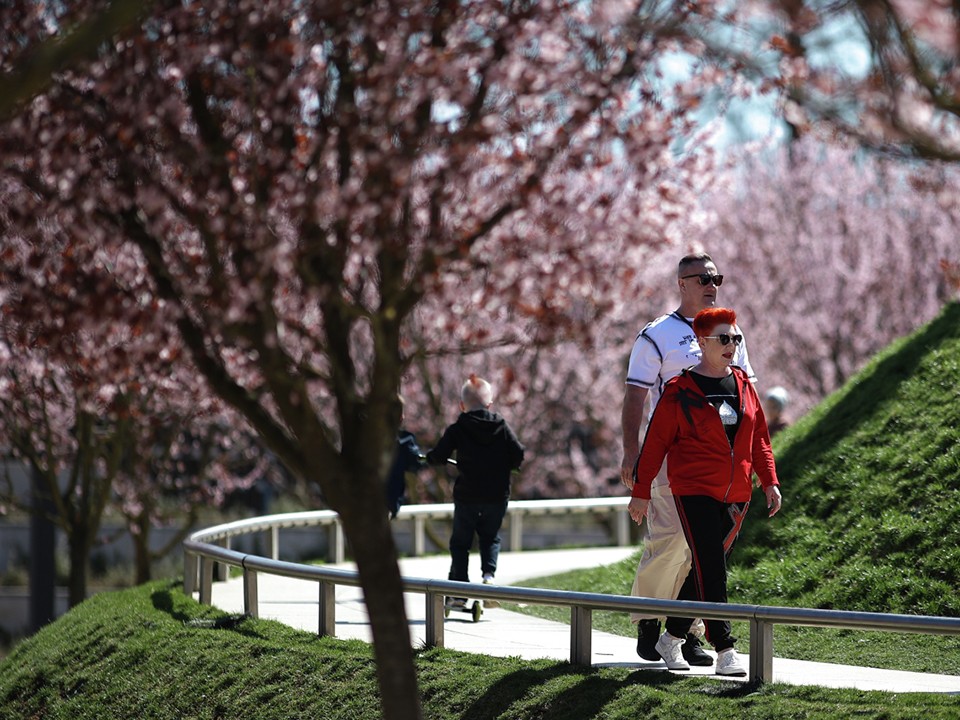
<point x="711" y="527"/>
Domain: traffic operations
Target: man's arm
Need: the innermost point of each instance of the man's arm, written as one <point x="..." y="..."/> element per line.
<point x="631" y="417"/>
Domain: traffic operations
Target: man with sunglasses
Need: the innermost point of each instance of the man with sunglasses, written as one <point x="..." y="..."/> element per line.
<point x="663" y="349"/>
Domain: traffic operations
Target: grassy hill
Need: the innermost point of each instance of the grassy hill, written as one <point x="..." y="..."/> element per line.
<point x="871" y="521"/>
<point x="871" y="480"/>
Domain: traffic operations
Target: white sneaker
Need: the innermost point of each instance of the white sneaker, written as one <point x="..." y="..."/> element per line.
<point x="728" y="663"/>
<point x="488" y="580"/>
<point x="669" y="648"/>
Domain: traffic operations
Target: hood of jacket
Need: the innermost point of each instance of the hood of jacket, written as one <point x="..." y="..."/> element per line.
<point x="483" y="426"/>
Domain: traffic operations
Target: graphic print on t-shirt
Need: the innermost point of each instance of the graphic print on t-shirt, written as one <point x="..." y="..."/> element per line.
<point x="722" y="394"/>
<point x="728" y="416"/>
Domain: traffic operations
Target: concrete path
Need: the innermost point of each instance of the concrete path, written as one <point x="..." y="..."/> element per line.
<point x="509" y="634"/>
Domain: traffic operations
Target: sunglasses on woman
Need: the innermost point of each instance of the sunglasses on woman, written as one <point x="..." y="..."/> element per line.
<point x="706" y="279"/>
<point x="726" y="339"/>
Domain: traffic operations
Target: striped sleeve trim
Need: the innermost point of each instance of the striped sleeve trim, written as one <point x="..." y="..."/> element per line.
<point x="643" y="383"/>
<point x="650" y="340"/>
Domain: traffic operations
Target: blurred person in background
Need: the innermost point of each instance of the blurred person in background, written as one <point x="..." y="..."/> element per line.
<point x="775" y="401"/>
<point x="487" y="452"/>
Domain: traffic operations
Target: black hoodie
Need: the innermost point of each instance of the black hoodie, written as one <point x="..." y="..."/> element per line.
<point x="487" y="450"/>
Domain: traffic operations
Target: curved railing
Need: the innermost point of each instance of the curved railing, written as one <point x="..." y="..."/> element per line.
<point x="517" y="512"/>
<point x="202" y="553"/>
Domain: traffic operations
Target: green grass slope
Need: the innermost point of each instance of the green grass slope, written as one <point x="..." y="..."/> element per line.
<point x="871" y="481"/>
<point x="151" y="653"/>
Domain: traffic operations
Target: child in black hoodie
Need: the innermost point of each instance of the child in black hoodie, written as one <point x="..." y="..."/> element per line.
<point x="487" y="450"/>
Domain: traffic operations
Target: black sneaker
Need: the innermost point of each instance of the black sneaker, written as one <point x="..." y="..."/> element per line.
<point x="648" y="632"/>
<point x="694" y="653"/>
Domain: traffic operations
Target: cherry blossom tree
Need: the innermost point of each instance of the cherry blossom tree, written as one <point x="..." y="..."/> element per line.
<point x="882" y="72"/>
<point x="316" y="198"/>
<point x="186" y="454"/>
<point x="100" y="410"/>
<point x="115" y="450"/>
<point x="830" y="254"/>
<point x="102" y="421"/>
<point x="69" y="386"/>
<point x="286" y="183"/>
<point x="54" y="430"/>
<point x="33" y="55"/>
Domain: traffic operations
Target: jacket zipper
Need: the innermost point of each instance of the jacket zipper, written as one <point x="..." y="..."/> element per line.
<point x="726" y="495"/>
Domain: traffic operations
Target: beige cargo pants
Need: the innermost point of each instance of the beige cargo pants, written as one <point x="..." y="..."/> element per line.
<point x="666" y="558"/>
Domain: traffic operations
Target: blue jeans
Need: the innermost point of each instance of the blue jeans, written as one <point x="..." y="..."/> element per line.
<point x="485" y="520"/>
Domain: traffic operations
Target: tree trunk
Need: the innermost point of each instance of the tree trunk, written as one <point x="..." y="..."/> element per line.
<point x="376" y="556"/>
<point x="43" y="566"/>
<point x="79" y="554"/>
<point x="141" y="551"/>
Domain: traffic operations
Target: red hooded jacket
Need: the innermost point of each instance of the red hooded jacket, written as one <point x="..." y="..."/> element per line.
<point x="686" y="429"/>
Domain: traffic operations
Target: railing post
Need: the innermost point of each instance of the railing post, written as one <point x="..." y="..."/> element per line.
<point x="516" y="532"/>
<point x="273" y="543"/>
<point x="251" y="600"/>
<point x="419" y="536"/>
<point x="337" y="552"/>
<point x="581" y="626"/>
<point x="206" y="580"/>
<point x="190" y="564"/>
<point x="622" y="528"/>
<point x="223" y="570"/>
<point x="434" y="620"/>
<point x="328" y="609"/>
<point x="761" y="650"/>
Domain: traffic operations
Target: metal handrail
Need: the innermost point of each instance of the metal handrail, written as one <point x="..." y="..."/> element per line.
<point x="200" y="555"/>
<point x="517" y="510"/>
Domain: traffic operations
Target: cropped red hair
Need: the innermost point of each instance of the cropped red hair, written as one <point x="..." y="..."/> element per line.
<point x="706" y="320"/>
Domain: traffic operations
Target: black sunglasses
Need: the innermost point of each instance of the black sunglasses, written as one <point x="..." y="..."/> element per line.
<point x="727" y="339"/>
<point x="706" y="279"/>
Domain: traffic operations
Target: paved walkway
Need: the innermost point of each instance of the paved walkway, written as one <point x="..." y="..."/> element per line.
<point x="509" y="634"/>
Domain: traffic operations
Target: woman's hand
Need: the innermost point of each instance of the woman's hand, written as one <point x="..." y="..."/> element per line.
<point x="774" y="500"/>
<point x="637" y="508"/>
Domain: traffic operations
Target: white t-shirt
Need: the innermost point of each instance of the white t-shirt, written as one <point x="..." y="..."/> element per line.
<point x="666" y="347"/>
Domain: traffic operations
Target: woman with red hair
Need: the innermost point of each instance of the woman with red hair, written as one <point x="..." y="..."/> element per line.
<point x="709" y="425"/>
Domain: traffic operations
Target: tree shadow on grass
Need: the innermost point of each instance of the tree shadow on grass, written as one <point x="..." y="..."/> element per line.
<point x="585" y="697"/>
<point x="211" y="619"/>
<point x="163" y="602"/>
